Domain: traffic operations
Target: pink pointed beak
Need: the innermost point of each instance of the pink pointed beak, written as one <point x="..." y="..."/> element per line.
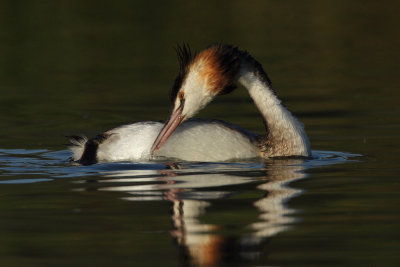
<point x="169" y="127"/>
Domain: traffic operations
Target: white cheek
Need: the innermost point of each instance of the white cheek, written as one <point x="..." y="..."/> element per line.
<point x="189" y="109"/>
<point x="177" y="103"/>
<point x="196" y="94"/>
<point x="194" y="104"/>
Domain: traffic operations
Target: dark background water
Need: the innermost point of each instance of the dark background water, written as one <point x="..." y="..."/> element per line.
<point x="70" y="67"/>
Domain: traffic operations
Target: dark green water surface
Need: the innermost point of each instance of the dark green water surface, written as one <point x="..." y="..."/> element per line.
<point x="71" y="67"/>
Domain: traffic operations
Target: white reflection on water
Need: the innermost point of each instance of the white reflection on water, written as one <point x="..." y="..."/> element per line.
<point x="202" y="241"/>
<point x="194" y="190"/>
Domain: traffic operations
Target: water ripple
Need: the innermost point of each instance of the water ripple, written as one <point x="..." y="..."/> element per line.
<point x="191" y="188"/>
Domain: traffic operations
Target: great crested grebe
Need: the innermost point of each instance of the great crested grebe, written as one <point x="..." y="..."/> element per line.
<point x="202" y="77"/>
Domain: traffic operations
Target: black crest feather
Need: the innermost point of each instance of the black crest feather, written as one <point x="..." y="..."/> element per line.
<point x="229" y="58"/>
<point x="185" y="57"/>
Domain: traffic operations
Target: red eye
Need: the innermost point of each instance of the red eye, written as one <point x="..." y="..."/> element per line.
<point x="181" y="95"/>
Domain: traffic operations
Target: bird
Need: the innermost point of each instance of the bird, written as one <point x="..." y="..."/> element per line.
<point x="192" y="141"/>
<point x="202" y="76"/>
<point x="215" y="71"/>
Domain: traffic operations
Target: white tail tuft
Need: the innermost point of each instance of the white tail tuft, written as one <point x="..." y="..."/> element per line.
<point x="77" y="146"/>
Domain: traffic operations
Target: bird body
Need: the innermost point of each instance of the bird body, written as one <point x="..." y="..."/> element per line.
<point x="195" y="140"/>
<point x="203" y="76"/>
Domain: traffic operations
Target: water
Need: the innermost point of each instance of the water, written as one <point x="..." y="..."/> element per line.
<point x="215" y="212"/>
<point x="77" y="68"/>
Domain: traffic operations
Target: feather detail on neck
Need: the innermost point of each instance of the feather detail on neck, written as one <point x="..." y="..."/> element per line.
<point x="285" y="134"/>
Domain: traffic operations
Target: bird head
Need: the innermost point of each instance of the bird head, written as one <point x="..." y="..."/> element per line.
<point x="201" y="78"/>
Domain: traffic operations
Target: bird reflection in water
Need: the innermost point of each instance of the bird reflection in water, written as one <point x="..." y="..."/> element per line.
<point x="196" y="194"/>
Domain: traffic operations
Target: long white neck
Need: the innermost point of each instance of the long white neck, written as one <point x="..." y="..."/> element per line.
<point x="285" y="134"/>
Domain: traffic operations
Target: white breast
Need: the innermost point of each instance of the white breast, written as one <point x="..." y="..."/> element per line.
<point x="194" y="140"/>
<point x="129" y="142"/>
